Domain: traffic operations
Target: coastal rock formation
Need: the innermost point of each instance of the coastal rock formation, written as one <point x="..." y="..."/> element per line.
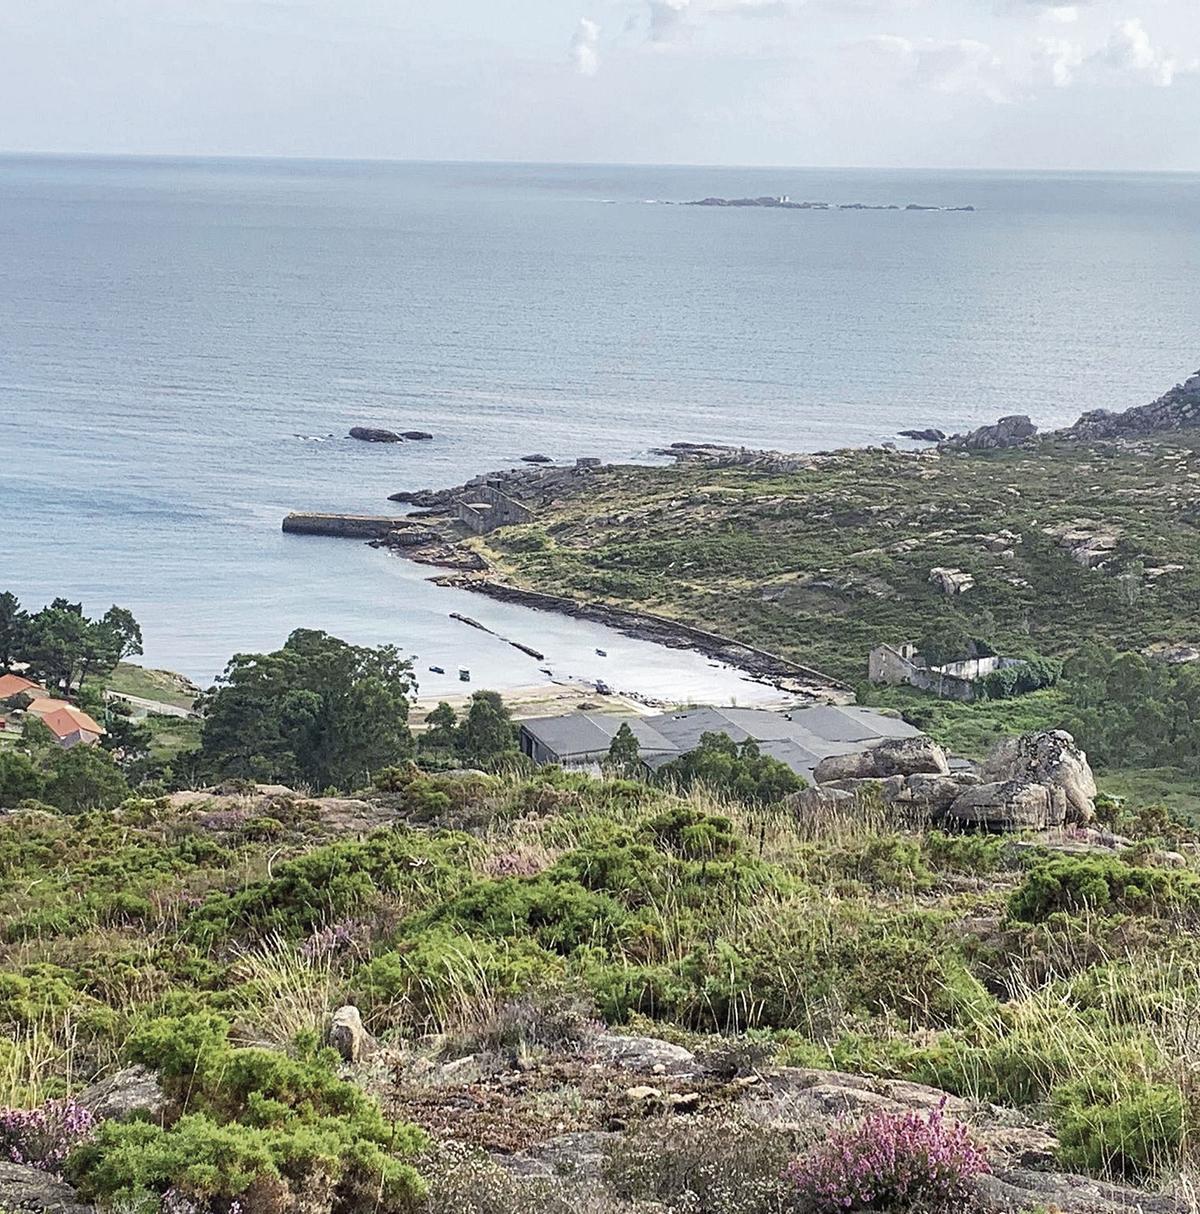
<point x="1052" y="758"/>
<point x="1009" y="805"/>
<point x="1007" y="432"/>
<point x="416" y="436"/>
<point x="133" y="1090"/>
<point x="896" y="757"/>
<point x="925" y="436"/>
<point x="1177" y="409"/>
<point x="1086" y="541"/>
<point x="1039" y="780"/>
<point x="536" y="458"/>
<point x="369" y="434"/>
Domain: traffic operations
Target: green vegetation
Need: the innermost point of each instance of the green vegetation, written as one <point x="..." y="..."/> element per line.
<point x="149" y="932"/>
<point x="485" y="737"/>
<point x="63" y="647"/>
<point x="743" y="772"/>
<point x="317" y="712"/>
<point x="825" y="562"/>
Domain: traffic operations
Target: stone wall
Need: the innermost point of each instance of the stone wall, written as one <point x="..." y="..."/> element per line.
<point x="489" y="508"/>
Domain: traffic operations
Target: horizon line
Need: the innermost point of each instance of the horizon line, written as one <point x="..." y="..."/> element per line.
<point x="274" y="157"/>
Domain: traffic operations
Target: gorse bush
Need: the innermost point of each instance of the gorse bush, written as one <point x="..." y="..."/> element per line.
<point x="257" y="1120"/>
<point x="1104" y="885"/>
<point x="893" y="1162"/>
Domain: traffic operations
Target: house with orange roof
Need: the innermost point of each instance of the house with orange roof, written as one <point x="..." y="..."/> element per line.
<point x="14" y="684"/>
<point x="70" y="726"/>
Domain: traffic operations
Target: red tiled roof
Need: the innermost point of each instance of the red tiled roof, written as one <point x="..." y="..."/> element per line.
<point x="14" y="684"/>
<point x="57" y="714"/>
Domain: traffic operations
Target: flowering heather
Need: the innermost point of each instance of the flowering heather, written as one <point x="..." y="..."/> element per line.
<point x="512" y="864"/>
<point x="45" y="1136"/>
<point x="332" y="940"/>
<point x="893" y="1161"/>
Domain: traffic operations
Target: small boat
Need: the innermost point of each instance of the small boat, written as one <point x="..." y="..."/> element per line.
<point x="602" y="653"/>
<point x="436" y="670"/>
<point x="464" y="674"/>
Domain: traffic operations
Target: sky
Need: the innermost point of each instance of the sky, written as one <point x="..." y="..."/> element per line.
<point x="1034" y="84"/>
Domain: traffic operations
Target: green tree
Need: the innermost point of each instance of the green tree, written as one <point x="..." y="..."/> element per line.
<point x="13" y="623"/>
<point x="65" y="648"/>
<point x="318" y="711"/>
<point x="84" y="778"/>
<point x="441" y="732"/>
<point x="487" y="732"/>
<point x="743" y="773"/>
<point x="624" y="754"/>
<point x="20" y="778"/>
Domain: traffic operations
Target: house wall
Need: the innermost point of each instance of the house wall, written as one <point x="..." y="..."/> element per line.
<point x="887" y="665"/>
<point x="498" y="510"/>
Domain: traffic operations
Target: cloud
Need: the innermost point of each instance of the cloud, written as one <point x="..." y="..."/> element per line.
<point x="956" y="66"/>
<point x="585" y="47"/>
<point x="667" y="18"/>
<point x="1129" y="51"/>
<point x="1059" y="60"/>
<point x="672" y="18"/>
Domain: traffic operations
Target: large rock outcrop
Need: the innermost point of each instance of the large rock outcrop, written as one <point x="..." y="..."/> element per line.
<point x="1049" y="757"/>
<point x="1007" y="432"/>
<point x="896" y="757"/>
<point x="1008" y="805"/>
<point x="1177" y="409"/>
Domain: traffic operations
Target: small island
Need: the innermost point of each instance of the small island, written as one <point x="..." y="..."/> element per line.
<point x="783" y="203"/>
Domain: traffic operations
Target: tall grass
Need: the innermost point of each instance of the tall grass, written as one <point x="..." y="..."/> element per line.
<point x="291" y="993"/>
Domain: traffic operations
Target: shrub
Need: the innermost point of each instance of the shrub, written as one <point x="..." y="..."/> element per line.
<point x="1105" y="885"/>
<point x="705" y="1167"/>
<point x="45" y="1136"/>
<point x="1128" y="1129"/>
<point x="891" y="1161"/>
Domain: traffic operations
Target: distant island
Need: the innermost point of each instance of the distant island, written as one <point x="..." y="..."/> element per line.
<point x="784" y="203"/>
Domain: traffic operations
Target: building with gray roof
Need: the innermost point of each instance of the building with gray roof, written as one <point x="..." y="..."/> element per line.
<point x="799" y="737"/>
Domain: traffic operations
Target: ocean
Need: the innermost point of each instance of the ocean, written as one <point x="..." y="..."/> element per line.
<point x="184" y="344"/>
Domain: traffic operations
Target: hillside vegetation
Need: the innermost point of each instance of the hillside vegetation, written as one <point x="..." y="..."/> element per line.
<point x="508" y="924"/>
<point x="822" y="563"/>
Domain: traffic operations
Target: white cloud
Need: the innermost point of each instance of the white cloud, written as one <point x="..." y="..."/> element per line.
<point x="585" y="47"/>
<point x="1060" y="14"/>
<point x="1129" y="51"/>
<point x="956" y="66"/>
<point x="1059" y="60"/>
<point x="667" y="17"/>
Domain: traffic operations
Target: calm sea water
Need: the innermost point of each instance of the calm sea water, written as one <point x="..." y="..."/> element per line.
<point x="177" y="338"/>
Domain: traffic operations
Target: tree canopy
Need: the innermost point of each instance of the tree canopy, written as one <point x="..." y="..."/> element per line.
<point x="319" y="712"/>
<point x="624" y="754"/>
<point x="62" y="646"/>
<point x="482" y="736"/>
<point x="742" y="772"/>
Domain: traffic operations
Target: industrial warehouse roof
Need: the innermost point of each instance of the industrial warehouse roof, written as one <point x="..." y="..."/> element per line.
<point x="800" y="737"/>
